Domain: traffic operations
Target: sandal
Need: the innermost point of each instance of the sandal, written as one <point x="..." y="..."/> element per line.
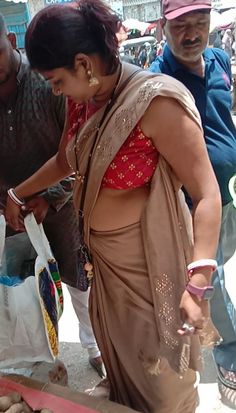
<point x="102" y="389"/>
<point x="227" y="386"/>
<point x="228" y="396"/>
<point x="226" y="377"/>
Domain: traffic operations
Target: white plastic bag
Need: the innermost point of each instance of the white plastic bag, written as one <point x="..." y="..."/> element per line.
<point x="28" y="331"/>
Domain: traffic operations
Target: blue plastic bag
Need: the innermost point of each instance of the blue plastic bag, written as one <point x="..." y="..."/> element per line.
<point x="17" y="256"/>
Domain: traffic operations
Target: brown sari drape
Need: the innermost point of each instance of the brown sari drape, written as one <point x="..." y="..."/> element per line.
<point x="125" y="326"/>
<point x="140" y="270"/>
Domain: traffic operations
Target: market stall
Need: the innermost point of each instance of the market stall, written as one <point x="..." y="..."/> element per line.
<point x="56" y="398"/>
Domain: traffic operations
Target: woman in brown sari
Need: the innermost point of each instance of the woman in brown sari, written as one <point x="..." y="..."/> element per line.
<point x="132" y="140"/>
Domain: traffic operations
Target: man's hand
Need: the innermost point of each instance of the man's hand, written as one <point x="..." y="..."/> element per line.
<point x="39" y="207"/>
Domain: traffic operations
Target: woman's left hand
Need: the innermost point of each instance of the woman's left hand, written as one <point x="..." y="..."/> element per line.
<point x="194" y="312"/>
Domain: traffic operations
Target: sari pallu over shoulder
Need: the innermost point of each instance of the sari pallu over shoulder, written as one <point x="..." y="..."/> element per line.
<point x="173" y="229"/>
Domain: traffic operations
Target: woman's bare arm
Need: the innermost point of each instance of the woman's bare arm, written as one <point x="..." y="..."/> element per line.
<point x="180" y="141"/>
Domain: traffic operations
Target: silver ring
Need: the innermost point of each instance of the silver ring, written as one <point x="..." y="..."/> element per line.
<point x="188" y="328"/>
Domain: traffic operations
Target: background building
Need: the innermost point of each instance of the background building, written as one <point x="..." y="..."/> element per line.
<point x="35" y="6"/>
<point x="144" y="10"/>
<point x="17" y="16"/>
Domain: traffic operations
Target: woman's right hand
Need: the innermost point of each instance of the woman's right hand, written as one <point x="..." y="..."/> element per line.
<point x="194" y="312"/>
<point x="13" y="214"/>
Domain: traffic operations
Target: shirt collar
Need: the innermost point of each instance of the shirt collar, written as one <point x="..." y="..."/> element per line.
<point x="208" y="55"/>
<point x="23" y="67"/>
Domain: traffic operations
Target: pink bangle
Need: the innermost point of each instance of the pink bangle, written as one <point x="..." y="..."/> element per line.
<point x="201" y="264"/>
<point x="18" y="201"/>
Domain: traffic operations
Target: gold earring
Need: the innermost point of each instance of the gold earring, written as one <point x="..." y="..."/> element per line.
<point x="57" y="92"/>
<point x="93" y="81"/>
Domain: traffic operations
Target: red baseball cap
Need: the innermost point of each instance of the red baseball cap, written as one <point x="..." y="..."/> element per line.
<point x="175" y="8"/>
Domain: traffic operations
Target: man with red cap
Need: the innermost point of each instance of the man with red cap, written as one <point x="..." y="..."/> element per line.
<point x="206" y="72"/>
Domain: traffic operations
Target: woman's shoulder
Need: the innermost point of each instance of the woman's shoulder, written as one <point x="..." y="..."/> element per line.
<point x="167" y="83"/>
<point x="146" y="83"/>
<point x="164" y="91"/>
<point x="147" y="86"/>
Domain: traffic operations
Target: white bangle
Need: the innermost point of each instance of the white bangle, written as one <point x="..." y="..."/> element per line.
<point x="15" y="198"/>
<point x="202" y="263"/>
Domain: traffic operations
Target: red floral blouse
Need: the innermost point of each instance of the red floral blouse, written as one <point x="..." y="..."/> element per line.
<point x="134" y="164"/>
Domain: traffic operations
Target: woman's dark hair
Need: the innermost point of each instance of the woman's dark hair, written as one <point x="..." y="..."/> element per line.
<point x="57" y="33"/>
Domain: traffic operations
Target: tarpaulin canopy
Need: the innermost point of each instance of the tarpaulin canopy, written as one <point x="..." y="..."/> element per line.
<point x="215" y="20"/>
<point x="133" y="24"/>
<point x="222" y="20"/>
<point x="228" y="17"/>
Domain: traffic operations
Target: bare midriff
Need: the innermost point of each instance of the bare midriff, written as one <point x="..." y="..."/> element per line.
<point x="117" y="208"/>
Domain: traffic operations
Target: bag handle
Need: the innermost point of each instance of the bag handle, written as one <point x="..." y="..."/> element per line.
<point x="37" y="237"/>
<point x="2" y="235"/>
